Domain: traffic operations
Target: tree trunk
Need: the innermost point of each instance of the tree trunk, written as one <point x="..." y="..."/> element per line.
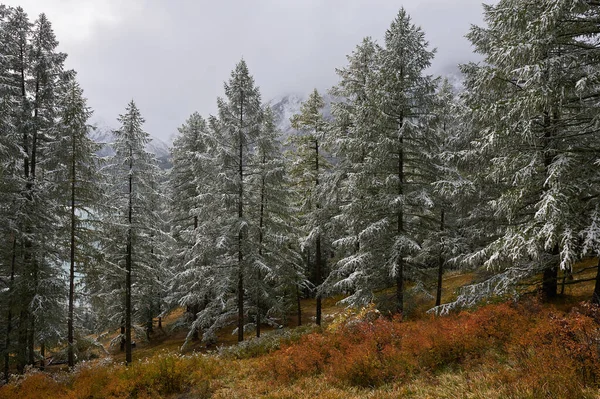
<point x="319" y="271"/>
<point x="241" y="234"/>
<point x="318" y="280"/>
<point x="9" y="315"/>
<point x="260" y="251"/>
<point x="22" y="341"/>
<point x="122" y="343"/>
<point x="43" y="356"/>
<point x="299" y="306"/>
<point x="128" y="266"/>
<point x="438" y="296"/>
<point x="596" y="294"/>
<point x="400" y="231"/>
<point x="70" y="317"/>
<point x="32" y="326"/>
<point x="194" y="310"/>
<point x="550" y="283"/>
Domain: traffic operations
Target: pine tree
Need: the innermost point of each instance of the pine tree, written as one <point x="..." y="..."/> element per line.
<point x="240" y="117"/>
<point x="525" y="105"/>
<point x="78" y="175"/>
<point x="387" y="162"/>
<point x="308" y="167"/>
<point x="131" y="231"/>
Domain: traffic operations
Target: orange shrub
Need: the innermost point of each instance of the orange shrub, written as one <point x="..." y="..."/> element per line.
<point x="371" y="353"/>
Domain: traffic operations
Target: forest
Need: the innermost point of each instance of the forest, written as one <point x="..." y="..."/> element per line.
<point x="407" y="179"/>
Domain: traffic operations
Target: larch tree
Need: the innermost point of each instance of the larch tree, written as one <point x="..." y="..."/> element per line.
<point x="277" y="271"/>
<point x="78" y="175"/>
<point x="240" y="117"/>
<point x="386" y="154"/>
<point x="308" y="166"/>
<point x="190" y="187"/>
<point x="131" y="230"/>
<point x="528" y="110"/>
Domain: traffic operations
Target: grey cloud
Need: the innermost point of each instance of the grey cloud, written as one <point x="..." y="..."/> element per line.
<point x="173" y="56"/>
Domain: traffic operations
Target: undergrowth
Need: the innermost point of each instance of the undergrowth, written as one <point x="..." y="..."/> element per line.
<point x="498" y="351"/>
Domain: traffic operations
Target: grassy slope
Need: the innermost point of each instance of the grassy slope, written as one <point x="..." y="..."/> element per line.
<point x="467" y="355"/>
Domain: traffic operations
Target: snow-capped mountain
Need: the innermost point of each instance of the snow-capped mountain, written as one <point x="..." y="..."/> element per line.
<point x="286" y="106"/>
<point x="104" y="135"/>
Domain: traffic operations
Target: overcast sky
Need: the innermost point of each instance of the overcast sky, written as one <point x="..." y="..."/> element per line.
<point x="172" y="56"/>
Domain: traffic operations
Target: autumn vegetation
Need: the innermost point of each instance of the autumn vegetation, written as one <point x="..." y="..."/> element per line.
<point x="508" y="349"/>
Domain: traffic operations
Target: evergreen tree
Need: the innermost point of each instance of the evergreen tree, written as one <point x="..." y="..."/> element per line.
<point x="307" y="169"/>
<point x="131" y="232"/>
<point x="78" y="175"/>
<point x="388" y="168"/>
<point x="530" y="120"/>
<point x="238" y="129"/>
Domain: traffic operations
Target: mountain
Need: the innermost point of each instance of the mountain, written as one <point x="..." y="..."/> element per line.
<point x="104" y="135"/>
<point x="287" y="105"/>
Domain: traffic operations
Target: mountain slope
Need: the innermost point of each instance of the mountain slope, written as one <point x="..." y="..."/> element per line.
<point x="104" y="135"/>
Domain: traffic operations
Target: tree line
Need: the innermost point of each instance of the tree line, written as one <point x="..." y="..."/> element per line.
<point x="409" y="177"/>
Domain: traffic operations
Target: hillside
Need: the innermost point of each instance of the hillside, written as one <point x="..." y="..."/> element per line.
<point x="514" y="349"/>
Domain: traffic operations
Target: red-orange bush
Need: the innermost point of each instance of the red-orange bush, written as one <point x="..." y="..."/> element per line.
<point x="371" y="353"/>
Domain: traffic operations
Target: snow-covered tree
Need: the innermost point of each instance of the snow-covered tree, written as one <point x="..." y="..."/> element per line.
<point x="387" y="167"/>
<point x="76" y="174"/>
<point x="277" y="266"/>
<point x="526" y="106"/>
<point x="132" y="229"/>
<point x="308" y="166"/>
<point x="192" y="213"/>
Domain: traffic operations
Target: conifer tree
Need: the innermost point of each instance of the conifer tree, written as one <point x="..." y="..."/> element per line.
<point x="131" y="230"/>
<point x="525" y="105"/>
<point x="190" y="187"/>
<point x="78" y="175"/>
<point x="240" y="117"/>
<point x="277" y="272"/>
<point x="387" y="162"/>
<point x="307" y="169"/>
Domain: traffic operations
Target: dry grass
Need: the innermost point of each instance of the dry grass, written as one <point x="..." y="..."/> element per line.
<point x="528" y="350"/>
